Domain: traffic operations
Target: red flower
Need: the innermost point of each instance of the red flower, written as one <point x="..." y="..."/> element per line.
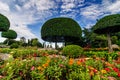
<point x="107" y="69"/>
<point x="118" y="74"/>
<point x="95" y="70"/>
<point x="35" y="55"/>
<point x="116" y="69"/>
<point x="82" y="60"/>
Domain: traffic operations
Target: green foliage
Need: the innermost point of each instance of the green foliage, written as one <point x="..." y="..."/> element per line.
<point x="107" y="24"/>
<point x="24" y="44"/>
<point x="60" y="30"/>
<point x="10" y="34"/>
<point x="4" y="23"/>
<point x="35" y="42"/>
<point x="101" y="54"/>
<point x="9" y="41"/>
<point x="114" y="39"/>
<point x="39" y="45"/>
<point x="14" y="45"/>
<point x="91" y="39"/>
<point x="118" y="42"/>
<point x="16" y="69"/>
<point x="72" y="51"/>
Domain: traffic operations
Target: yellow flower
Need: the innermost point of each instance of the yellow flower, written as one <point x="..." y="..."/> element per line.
<point x="45" y="65"/>
<point x="103" y="71"/>
<point x="90" y="67"/>
<point x="48" y="61"/>
<point x="40" y="68"/>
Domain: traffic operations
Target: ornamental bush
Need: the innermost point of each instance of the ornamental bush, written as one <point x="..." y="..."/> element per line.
<point x="14" y="45"/>
<point x="72" y="51"/>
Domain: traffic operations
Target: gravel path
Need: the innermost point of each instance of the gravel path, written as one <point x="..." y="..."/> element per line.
<point x="5" y="56"/>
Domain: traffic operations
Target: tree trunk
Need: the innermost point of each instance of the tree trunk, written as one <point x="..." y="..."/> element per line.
<point x="109" y="43"/>
<point x="55" y="45"/>
<point x="65" y="43"/>
<point x="8" y="41"/>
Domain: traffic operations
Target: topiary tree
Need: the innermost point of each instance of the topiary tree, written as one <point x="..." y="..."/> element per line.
<point x="10" y="34"/>
<point x="4" y="23"/>
<point x="107" y="25"/>
<point x="61" y="30"/>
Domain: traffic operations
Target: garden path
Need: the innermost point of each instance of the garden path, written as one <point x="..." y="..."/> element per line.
<point x="5" y="56"/>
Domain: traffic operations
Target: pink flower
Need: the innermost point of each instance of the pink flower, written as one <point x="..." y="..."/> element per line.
<point x="1" y="76"/>
<point x="61" y="65"/>
<point x="32" y="68"/>
<point x="21" y="73"/>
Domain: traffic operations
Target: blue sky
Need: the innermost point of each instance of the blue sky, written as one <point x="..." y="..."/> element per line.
<point x="28" y="16"/>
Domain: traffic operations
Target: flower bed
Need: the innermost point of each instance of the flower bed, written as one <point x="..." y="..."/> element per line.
<point x="58" y="68"/>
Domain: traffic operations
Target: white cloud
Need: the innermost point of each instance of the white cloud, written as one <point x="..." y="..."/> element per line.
<point x="74" y="1"/>
<point x="91" y="12"/>
<point x="68" y="5"/>
<point x="96" y="11"/>
<point x="115" y="7"/>
<point x="23" y="30"/>
<point x="45" y="4"/>
<point x="18" y="7"/>
<point x="18" y="22"/>
<point x="4" y="7"/>
<point x="25" y="12"/>
<point x="2" y="39"/>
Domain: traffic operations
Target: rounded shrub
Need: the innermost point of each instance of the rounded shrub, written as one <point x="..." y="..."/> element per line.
<point x="14" y="45"/>
<point x="72" y="51"/>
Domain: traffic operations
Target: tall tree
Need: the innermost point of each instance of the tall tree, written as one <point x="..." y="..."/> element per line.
<point x="92" y="39"/>
<point x="107" y="25"/>
<point x="23" y="39"/>
<point x="87" y="36"/>
<point x="61" y="30"/>
<point x="4" y="23"/>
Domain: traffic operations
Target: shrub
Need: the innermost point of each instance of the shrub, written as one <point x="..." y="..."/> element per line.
<point x="14" y="45"/>
<point x="72" y="51"/>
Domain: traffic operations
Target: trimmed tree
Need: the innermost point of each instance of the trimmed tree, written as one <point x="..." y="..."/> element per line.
<point x="61" y="30"/>
<point x="4" y="23"/>
<point x="107" y="25"/>
<point x="10" y="34"/>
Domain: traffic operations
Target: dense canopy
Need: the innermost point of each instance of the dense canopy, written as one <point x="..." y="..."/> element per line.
<point x="60" y="30"/>
<point x="107" y="24"/>
<point x="10" y="34"/>
<point x="4" y="23"/>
